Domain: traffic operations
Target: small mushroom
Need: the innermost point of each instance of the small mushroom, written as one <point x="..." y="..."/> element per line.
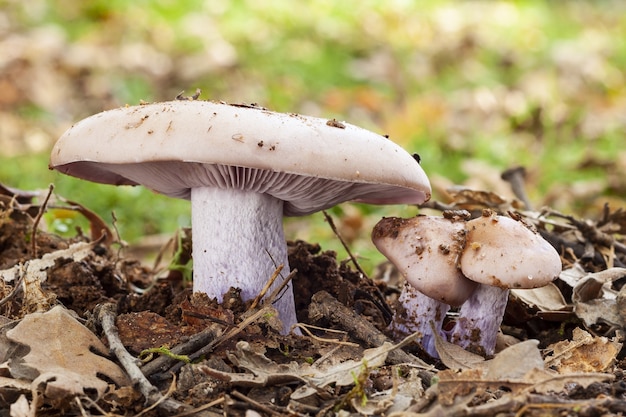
<point x="426" y="250"/>
<point x="500" y="253"/>
<point x="472" y="264"/>
<point x="211" y="153"/>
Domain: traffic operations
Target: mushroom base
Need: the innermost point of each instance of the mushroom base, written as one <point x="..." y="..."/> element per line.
<point x="414" y="315"/>
<point x="238" y="242"/>
<point x="479" y="320"/>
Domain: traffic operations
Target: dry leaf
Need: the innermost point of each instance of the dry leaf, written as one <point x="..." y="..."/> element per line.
<point x="76" y="252"/>
<point x="595" y="300"/>
<point x="472" y="199"/>
<point x="61" y="355"/>
<point x="558" y="383"/>
<point x="597" y="285"/>
<point x="454" y="356"/>
<point x="453" y="384"/>
<point x="265" y="372"/>
<point x="584" y="353"/>
<point x="546" y="298"/>
<point x="515" y="361"/>
<point x="572" y="275"/>
<point x="16" y="384"/>
<point x="510" y="368"/>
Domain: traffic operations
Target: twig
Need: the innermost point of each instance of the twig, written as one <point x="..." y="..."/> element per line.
<point x="117" y="235"/>
<point x="162" y="363"/>
<point x="224" y="337"/>
<point x="106" y="316"/>
<point x="256" y="404"/>
<point x="202" y="408"/>
<point x="331" y="223"/>
<point x="42" y="209"/>
<point x="274" y="295"/>
<point x="16" y="288"/>
<point x="591" y="232"/>
<point x="161" y="400"/>
<point x="325" y="305"/>
<point x="305" y="327"/>
<point x="267" y="286"/>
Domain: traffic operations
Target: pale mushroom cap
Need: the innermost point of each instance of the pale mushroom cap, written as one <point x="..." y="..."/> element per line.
<point x="171" y="147"/>
<point x="426" y="251"/>
<point x="504" y="253"/>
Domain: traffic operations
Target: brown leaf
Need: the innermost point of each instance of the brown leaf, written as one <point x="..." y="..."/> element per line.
<point x="584" y="353"/>
<point x="516" y="361"/>
<point x="99" y="229"/>
<point x="61" y="355"/>
<point x="594" y="299"/>
<point x="454" y="356"/>
<point x="545" y="299"/>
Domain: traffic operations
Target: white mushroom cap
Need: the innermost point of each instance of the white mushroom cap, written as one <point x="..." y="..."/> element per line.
<point x="309" y="163"/>
<point x="503" y="252"/>
<point x="426" y="251"/>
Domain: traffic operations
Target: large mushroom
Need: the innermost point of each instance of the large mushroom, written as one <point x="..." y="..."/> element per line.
<point x="243" y="167"/>
<point x="472" y="264"/>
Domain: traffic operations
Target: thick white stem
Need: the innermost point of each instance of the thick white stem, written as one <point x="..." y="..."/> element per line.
<point x="415" y="313"/>
<point x="238" y="241"/>
<point x="479" y="319"/>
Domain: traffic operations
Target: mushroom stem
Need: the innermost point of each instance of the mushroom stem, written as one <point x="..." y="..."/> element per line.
<point x="415" y="314"/>
<point x="515" y="177"/>
<point x="479" y="320"/>
<point x="238" y="241"/>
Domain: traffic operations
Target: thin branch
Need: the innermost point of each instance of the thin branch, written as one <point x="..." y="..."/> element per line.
<point x="278" y="290"/>
<point x="256" y="404"/>
<point x="343" y="243"/>
<point x="266" y="288"/>
<point x="40" y="213"/>
<point x="106" y="316"/>
<point x="197" y="341"/>
<point x="224" y="337"/>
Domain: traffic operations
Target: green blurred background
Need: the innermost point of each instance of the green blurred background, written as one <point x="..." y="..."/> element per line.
<point x="474" y="87"/>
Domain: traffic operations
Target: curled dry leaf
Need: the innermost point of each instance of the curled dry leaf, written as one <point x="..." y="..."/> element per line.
<point x="584" y="353"/>
<point x="454" y="356"/>
<point x="595" y="300"/>
<point x="66" y="363"/>
<point x="545" y="299"/>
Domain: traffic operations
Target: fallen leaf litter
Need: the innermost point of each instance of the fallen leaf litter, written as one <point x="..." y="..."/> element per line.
<point x="59" y="307"/>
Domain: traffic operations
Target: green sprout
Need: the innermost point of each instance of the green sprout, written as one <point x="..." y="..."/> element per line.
<point x="178" y="260"/>
<point x="146" y="355"/>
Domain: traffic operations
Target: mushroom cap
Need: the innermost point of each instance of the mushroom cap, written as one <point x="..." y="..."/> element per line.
<point x="310" y="163"/>
<point x="503" y="252"/>
<point x="426" y="251"/>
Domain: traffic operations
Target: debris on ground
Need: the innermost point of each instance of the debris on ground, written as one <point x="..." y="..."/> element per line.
<point x="84" y="330"/>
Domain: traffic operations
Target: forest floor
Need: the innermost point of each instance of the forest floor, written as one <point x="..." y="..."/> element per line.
<point x="86" y="330"/>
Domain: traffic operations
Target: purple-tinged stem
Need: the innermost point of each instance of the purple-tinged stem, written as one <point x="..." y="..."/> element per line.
<point x="479" y="320"/>
<point x="414" y="314"/>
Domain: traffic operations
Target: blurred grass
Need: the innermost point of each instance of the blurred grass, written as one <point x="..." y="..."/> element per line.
<point x="474" y="87"/>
